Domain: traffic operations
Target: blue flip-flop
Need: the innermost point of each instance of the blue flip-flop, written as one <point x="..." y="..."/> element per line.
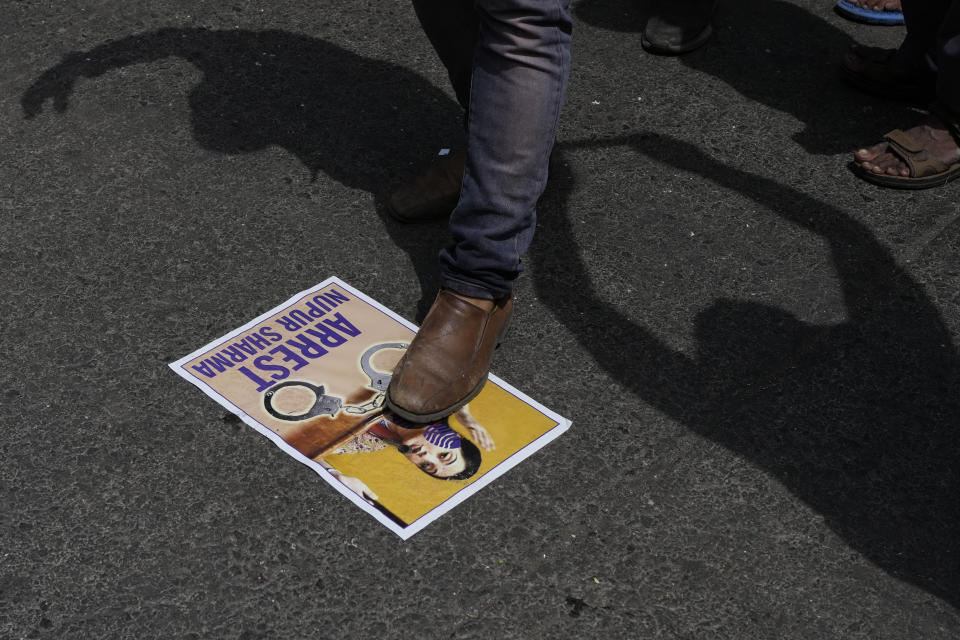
<point x="869" y="16"/>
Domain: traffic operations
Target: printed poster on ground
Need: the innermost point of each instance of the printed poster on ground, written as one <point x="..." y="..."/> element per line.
<point x="311" y="374"/>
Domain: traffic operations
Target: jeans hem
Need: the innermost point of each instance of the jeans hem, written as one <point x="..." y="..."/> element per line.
<point x="472" y="289"/>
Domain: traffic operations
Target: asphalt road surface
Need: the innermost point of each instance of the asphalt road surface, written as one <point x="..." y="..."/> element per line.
<point x="758" y="350"/>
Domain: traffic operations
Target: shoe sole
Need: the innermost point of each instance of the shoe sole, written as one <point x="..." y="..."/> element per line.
<point x="437" y="415"/>
<point x="678" y="49"/>
<point x="894" y="182"/>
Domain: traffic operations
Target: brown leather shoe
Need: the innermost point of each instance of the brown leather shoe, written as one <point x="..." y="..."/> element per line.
<point x="446" y="365"/>
<point x="434" y="193"/>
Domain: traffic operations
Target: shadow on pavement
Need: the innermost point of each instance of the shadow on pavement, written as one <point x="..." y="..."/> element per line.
<point x="356" y="119"/>
<point x="779" y="55"/>
<point x="859" y="420"/>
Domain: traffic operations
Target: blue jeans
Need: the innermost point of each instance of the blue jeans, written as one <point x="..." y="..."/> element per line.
<point x="508" y="61"/>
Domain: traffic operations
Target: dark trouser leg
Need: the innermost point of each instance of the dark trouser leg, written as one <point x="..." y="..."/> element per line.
<point x="520" y="65"/>
<point x="451" y="26"/>
<point x="520" y="68"/>
<point x="948" y="59"/>
<point x="923" y="19"/>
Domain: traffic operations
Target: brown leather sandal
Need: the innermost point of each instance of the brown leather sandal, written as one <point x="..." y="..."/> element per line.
<point x="925" y="171"/>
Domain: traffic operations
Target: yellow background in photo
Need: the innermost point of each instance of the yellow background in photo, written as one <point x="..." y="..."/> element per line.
<point x="410" y="493"/>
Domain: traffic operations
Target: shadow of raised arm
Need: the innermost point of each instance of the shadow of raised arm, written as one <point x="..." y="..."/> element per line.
<point x="56" y="84"/>
<point x="858" y="419"/>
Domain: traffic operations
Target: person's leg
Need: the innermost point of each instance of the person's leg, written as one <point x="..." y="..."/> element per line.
<point x="929" y="154"/>
<point x="923" y="19"/>
<point x="520" y="68"/>
<point x="452" y="27"/>
<point x="520" y="72"/>
<point x="948" y="60"/>
<point x="908" y="72"/>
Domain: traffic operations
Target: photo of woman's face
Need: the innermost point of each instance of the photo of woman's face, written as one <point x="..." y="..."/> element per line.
<point x="430" y="458"/>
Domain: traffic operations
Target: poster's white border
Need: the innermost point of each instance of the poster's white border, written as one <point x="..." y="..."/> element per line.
<point x="404" y="532"/>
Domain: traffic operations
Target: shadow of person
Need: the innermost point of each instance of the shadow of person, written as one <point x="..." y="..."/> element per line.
<point x="859" y="419"/>
<point x="779" y="55"/>
<point x="358" y="120"/>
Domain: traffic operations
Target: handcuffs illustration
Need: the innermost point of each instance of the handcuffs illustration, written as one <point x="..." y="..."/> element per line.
<point x="331" y="405"/>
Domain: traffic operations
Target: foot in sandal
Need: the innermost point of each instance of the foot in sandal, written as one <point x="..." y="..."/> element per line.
<point x="918" y="158"/>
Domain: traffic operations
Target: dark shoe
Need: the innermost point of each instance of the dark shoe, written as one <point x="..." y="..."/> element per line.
<point x="446" y="365"/>
<point x="884" y="73"/>
<point x="433" y="194"/>
<point x="679" y="26"/>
